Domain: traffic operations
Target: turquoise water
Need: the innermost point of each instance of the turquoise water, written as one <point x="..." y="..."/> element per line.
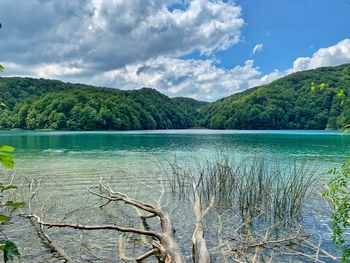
<point x="64" y="164"/>
<point x="77" y="156"/>
<point x="311" y="145"/>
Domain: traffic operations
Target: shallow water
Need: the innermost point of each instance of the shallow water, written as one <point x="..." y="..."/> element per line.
<point x="66" y="163"/>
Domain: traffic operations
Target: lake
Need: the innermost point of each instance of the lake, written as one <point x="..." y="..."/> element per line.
<point x="63" y="164"/>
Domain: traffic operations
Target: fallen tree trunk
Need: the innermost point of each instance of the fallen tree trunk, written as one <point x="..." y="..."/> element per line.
<point x="200" y="250"/>
<point x="165" y="243"/>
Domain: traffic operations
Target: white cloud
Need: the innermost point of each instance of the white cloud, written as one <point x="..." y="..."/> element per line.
<point x="257" y="48"/>
<point x="330" y="56"/>
<point x="108" y="34"/>
<point x="200" y="79"/>
<point x="68" y="72"/>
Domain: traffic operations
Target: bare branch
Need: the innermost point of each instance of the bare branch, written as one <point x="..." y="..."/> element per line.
<point x="88" y="248"/>
<point x="147" y="255"/>
<point x="96" y="227"/>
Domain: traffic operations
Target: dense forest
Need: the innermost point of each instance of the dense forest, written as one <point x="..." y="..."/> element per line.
<point x="303" y="100"/>
<point x="49" y="104"/>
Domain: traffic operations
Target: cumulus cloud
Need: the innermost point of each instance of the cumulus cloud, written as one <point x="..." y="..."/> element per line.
<point x="67" y="71"/>
<point x="107" y="34"/>
<point x="331" y="56"/>
<point x="200" y="79"/>
<point x="257" y="48"/>
<point x="120" y="43"/>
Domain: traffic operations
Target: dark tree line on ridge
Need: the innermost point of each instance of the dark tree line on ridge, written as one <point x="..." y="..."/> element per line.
<point x="47" y="104"/>
<point x="303" y="100"/>
<point x="287" y="103"/>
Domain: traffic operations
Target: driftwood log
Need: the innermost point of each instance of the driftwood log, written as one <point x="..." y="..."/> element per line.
<point x="164" y="243"/>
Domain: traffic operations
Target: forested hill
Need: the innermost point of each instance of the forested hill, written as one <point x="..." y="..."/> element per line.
<point x="49" y="104"/>
<point x="287" y="103"/>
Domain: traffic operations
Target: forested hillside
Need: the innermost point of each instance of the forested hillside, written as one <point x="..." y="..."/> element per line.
<point x="49" y="104"/>
<point x="287" y="103"/>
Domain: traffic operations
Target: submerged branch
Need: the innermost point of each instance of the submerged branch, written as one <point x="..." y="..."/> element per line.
<point x="166" y="245"/>
<point x="95" y="227"/>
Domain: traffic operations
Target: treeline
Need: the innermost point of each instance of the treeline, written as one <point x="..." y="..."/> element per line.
<point x="303" y="100"/>
<point x="47" y="104"/>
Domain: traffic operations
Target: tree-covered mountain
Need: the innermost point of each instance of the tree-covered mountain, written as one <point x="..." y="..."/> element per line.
<point x="191" y="103"/>
<point x="287" y="103"/>
<point x="49" y="104"/>
<point x="192" y="106"/>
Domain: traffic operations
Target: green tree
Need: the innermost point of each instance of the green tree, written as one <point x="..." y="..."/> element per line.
<point x="339" y="195"/>
<point x="8" y="247"/>
<point x="338" y="187"/>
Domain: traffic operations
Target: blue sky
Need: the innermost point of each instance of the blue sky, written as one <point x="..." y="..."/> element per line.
<point x="288" y="29"/>
<point x="205" y="49"/>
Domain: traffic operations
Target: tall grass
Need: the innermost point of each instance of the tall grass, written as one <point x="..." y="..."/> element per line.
<point x="275" y="188"/>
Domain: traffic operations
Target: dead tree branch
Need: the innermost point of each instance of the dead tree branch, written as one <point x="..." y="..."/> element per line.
<point x="167" y="246"/>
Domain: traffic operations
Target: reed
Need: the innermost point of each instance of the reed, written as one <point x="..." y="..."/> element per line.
<point x="278" y="189"/>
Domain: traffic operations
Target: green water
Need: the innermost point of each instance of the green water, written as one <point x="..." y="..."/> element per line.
<point x="116" y="147"/>
<point x="66" y="163"/>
